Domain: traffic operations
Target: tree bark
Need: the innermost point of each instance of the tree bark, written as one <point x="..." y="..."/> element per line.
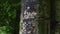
<point x="28" y="13"/>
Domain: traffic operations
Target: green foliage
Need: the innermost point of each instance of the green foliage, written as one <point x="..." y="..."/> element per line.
<point x="5" y="30"/>
<point x="8" y="15"/>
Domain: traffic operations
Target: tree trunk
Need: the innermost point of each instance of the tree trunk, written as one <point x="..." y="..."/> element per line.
<point x="28" y="13"/>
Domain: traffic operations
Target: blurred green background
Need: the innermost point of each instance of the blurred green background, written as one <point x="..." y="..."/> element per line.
<point x="9" y="17"/>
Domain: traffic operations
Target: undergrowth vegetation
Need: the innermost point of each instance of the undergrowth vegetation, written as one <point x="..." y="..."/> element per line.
<point x="8" y="9"/>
